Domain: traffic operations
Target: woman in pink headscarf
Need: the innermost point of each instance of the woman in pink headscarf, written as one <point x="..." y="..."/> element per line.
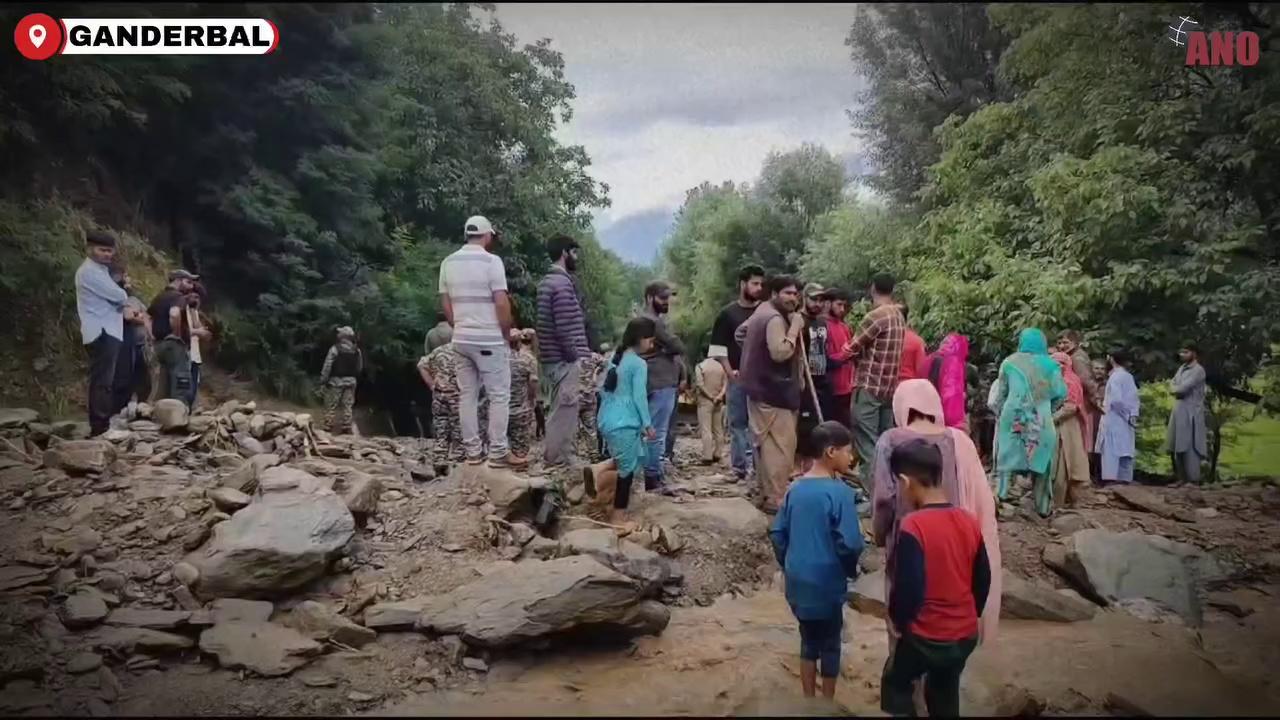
<point x="1071" y="465"/>
<point x="946" y="368"/>
<point x="917" y="414"/>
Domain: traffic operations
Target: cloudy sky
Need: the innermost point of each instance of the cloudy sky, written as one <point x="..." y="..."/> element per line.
<point x="671" y="95"/>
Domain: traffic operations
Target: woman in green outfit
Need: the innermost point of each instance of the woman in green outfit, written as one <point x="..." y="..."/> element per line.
<point x="1025" y="395"/>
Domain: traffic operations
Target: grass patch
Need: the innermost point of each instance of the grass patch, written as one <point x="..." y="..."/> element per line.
<point x="43" y="364"/>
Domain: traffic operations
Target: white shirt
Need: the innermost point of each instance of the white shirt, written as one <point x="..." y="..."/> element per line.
<point x="193" y="323"/>
<point x="99" y="301"/>
<point x="470" y="277"/>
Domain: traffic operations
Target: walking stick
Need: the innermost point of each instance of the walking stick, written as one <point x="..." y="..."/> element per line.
<point x="808" y="376"/>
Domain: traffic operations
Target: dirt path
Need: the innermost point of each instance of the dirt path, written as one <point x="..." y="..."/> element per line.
<point x="739" y="657"/>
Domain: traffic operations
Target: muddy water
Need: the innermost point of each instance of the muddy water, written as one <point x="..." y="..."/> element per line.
<point x="739" y="657"/>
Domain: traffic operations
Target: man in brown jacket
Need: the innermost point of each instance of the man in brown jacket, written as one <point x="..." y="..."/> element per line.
<point x="773" y="380"/>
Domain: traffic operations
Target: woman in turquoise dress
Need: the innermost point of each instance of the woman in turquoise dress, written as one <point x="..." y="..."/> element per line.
<point x="623" y="419"/>
<point x="1026" y="394"/>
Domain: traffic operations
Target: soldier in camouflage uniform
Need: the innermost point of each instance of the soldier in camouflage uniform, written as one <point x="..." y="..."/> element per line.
<point x="524" y="390"/>
<point x="342" y="367"/>
<point x="438" y="372"/>
<point x="587" y="443"/>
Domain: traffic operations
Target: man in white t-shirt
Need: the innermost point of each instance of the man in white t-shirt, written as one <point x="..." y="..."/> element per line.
<point x="473" y="294"/>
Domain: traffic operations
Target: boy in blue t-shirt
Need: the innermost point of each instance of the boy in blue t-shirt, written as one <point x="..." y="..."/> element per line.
<point x="817" y="540"/>
<point x="941" y="578"/>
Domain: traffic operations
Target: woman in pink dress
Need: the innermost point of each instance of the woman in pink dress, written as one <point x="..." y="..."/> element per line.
<point x="918" y="414"/>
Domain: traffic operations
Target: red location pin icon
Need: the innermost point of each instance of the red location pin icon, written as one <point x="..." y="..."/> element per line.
<point x="38" y="37"/>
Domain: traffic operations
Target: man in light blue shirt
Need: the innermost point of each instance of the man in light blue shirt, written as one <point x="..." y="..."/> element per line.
<point x="101" y="305"/>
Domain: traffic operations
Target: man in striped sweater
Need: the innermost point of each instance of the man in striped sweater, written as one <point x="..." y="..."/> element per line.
<point x="562" y="347"/>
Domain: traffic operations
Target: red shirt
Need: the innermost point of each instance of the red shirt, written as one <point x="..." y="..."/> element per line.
<point x="912" y="356"/>
<point x="839" y="365"/>
<point x="941" y="575"/>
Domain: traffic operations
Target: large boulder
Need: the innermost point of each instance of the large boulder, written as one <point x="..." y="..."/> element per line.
<point x="531" y="600"/>
<point x="867" y="594"/>
<point x="282" y="541"/>
<point x="1027" y="600"/>
<point x="245" y="477"/>
<point x="80" y="456"/>
<point x="171" y="415"/>
<point x="1109" y="566"/>
<point x="733" y="515"/>
<point x="648" y="568"/>
<point x="360" y="491"/>
<point x="263" y="648"/>
<point x="17" y="418"/>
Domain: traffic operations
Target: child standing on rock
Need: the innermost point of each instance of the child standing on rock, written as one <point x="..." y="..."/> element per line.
<point x="817" y="540"/>
<point x="941" y="577"/>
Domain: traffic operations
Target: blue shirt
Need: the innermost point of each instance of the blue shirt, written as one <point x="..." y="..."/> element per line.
<point x="100" y="302"/>
<point x="817" y="540"/>
<point x="628" y="405"/>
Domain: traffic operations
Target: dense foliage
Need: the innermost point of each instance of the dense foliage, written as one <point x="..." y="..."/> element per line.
<point x="1113" y="190"/>
<point x="322" y="184"/>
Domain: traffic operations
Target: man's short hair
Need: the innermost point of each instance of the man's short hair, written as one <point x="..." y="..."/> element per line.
<point x="100" y="238"/>
<point x="829" y="434"/>
<point x="837" y="294"/>
<point x="883" y="283"/>
<point x="441" y="317"/>
<point x="1121" y="356"/>
<point x="750" y="271"/>
<point x="778" y="283"/>
<point x="1071" y="335"/>
<point x="919" y="460"/>
<point x="559" y="245"/>
<point x="658" y="289"/>
<point x="1192" y="346"/>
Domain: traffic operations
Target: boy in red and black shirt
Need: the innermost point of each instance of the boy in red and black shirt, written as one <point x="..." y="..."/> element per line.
<point x="940" y="582"/>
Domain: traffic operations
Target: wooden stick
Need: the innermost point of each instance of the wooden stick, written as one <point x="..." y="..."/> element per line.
<point x="808" y="376"/>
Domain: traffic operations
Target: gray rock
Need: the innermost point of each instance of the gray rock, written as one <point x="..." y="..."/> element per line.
<point x="359" y="491"/>
<point x="16" y="576"/>
<point x="540" y="548"/>
<point x="247" y="444"/>
<point x="225" y="610"/>
<point x="279" y="543"/>
<point x="645" y="566"/>
<point x="146" y="618"/>
<point x="402" y="615"/>
<point x="321" y="623"/>
<point x="532" y="600"/>
<point x="16" y="418"/>
<point x="1146" y="500"/>
<point x="171" y="415"/>
<point x="84" y="609"/>
<point x="733" y="515"/>
<point x="263" y="648"/>
<point x="84" y="662"/>
<point x="185" y="573"/>
<point x="1069" y="523"/>
<point x="80" y="456"/>
<point x="1108" y="566"/>
<point x="509" y="492"/>
<point x="229" y="499"/>
<point x="200" y="423"/>
<point x="1027" y="600"/>
<point x="867" y="594"/>
<point x="476" y="664"/>
<point x="125" y="640"/>
<point x="521" y="534"/>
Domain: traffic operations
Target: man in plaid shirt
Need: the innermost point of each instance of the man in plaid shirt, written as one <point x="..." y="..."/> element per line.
<point x="877" y="350"/>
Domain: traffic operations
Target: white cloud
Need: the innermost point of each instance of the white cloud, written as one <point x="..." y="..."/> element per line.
<point x="670" y="96"/>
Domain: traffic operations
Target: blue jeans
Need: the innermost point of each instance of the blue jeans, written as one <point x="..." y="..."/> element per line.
<point x="661" y="404"/>
<point x="820" y="642"/>
<point x="739" y="437"/>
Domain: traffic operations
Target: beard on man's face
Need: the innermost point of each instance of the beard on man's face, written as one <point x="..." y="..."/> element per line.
<point x="570" y="263"/>
<point x="661" y="306"/>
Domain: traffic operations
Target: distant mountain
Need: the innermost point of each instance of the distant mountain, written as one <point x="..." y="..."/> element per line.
<point x="636" y="237"/>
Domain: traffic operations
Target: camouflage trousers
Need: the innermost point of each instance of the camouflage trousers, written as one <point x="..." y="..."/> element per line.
<point x="446" y="426"/>
<point x="520" y="430"/>
<point x="338" y="402"/>
<point x="587" y="443"/>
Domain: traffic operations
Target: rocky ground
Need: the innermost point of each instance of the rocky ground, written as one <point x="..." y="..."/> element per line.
<point x="252" y="564"/>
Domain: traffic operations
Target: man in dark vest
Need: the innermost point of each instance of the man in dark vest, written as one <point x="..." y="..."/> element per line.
<point x="773" y="380"/>
<point x="342" y="368"/>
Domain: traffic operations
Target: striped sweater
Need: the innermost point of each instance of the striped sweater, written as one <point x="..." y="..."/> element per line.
<point x="562" y="329"/>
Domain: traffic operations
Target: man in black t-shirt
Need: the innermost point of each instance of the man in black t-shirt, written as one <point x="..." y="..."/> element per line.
<point x="181" y="282"/>
<point x="725" y="348"/>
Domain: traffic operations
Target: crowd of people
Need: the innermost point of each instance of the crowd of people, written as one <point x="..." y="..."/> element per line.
<point x="800" y="397"/>
<point x="137" y="352"/>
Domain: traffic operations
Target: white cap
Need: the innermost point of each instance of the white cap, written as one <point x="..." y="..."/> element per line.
<point x="478" y="225"/>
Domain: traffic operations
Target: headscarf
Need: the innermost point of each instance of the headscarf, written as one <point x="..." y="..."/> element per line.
<point x="1033" y="360"/>
<point x="952" y="357"/>
<point x="1075" y="389"/>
